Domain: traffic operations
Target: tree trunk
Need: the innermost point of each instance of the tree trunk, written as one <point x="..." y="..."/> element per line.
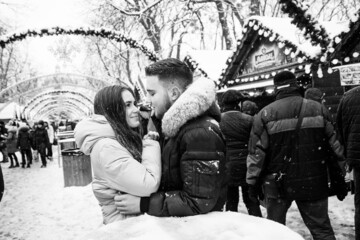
<point x="224" y="25"/>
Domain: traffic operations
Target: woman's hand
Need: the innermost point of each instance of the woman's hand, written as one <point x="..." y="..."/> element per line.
<point x="152" y="135"/>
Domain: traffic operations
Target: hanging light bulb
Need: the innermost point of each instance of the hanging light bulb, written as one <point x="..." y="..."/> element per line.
<point x="355" y="54"/>
<point x="266" y="34"/>
<point x="256" y="27"/>
<point x="335" y="61"/>
<point x="337" y="40"/>
<point x="347" y="59"/>
<point x="272" y="38"/>
<point x="300" y="60"/>
<point x="251" y="23"/>
<point x="319" y="72"/>
<point x="330" y="71"/>
<point x="261" y="31"/>
<point x="307" y="68"/>
<point x="323" y="59"/>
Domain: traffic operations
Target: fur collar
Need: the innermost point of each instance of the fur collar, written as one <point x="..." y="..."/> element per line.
<point x="195" y="101"/>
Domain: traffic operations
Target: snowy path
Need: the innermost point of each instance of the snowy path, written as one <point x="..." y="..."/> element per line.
<point x="37" y="206"/>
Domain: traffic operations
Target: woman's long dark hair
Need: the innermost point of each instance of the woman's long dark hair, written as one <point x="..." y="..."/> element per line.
<point x="109" y="103"/>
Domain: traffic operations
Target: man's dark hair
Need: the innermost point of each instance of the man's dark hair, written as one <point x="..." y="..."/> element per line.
<point x="171" y="70"/>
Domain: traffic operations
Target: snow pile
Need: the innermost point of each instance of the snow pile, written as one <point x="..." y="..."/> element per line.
<point x="215" y="225"/>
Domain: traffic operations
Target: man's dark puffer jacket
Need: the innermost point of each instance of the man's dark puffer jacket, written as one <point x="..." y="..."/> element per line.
<point x="306" y="175"/>
<point x="236" y="127"/>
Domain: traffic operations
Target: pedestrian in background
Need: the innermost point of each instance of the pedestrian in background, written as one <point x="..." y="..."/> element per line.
<point x="236" y="127"/>
<point x="348" y="123"/>
<point x="41" y="140"/>
<point x="50" y="132"/>
<point x="3" y="136"/>
<point x="24" y="144"/>
<point x="287" y="157"/>
<point x="11" y="143"/>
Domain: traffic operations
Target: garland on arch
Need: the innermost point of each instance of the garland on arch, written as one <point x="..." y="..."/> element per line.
<point x="88" y="31"/>
<point x="304" y="21"/>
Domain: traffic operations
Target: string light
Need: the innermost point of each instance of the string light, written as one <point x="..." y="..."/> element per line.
<point x="99" y="32"/>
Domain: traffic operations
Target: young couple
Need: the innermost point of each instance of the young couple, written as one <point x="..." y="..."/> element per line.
<point x="181" y="174"/>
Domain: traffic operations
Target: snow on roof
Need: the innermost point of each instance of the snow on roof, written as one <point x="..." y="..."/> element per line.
<point x="7" y="111"/>
<point x="211" y="61"/>
<point x="335" y="28"/>
<point x="288" y="31"/>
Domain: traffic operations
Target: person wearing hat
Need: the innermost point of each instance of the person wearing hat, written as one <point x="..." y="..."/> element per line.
<point x="41" y="141"/>
<point x="236" y="127"/>
<point x="287" y="157"/>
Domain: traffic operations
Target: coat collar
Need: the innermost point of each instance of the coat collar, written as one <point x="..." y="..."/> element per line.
<point x="195" y="101"/>
<point x="287" y="92"/>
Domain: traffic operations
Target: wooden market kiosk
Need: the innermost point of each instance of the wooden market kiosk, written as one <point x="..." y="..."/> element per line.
<point x="341" y="69"/>
<point x="267" y="47"/>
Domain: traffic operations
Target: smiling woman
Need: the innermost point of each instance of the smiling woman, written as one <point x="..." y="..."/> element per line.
<point x="122" y="162"/>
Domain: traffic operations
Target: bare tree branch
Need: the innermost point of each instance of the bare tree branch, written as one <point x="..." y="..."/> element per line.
<point x="139" y="13"/>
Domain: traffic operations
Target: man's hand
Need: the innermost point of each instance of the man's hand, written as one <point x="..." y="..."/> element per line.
<point x="152" y="135"/>
<point x="127" y="204"/>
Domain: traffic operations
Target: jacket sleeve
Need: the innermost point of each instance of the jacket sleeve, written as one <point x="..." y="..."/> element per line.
<point x="258" y="144"/>
<point x="339" y="123"/>
<point x="202" y="171"/>
<point x="126" y="174"/>
<point x="331" y="134"/>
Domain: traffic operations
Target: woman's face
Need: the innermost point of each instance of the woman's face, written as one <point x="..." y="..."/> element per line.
<point x="132" y="112"/>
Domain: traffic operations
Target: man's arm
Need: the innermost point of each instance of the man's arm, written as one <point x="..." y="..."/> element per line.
<point x="258" y="144"/>
<point x="330" y="133"/>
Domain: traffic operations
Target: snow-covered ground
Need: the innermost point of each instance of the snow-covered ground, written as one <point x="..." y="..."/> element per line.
<point x="37" y="206"/>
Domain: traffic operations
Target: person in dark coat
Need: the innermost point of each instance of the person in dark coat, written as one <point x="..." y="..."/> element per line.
<point x="24" y="143"/>
<point x="193" y="179"/>
<point x="348" y="124"/>
<point x="11" y="141"/>
<point x="41" y="141"/>
<point x="3" y="147"/>
<point x="293" y="167"/>
<point x="236" y="127"/>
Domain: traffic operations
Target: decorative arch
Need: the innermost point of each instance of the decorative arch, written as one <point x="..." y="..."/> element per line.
<point x="69" y="111"/>
<point x="58" y="79"/>
<point x="55" y="106"/>
<point x="82" y="31"/>
<point x="58" y="95"/>
<point x="53" y="100"/>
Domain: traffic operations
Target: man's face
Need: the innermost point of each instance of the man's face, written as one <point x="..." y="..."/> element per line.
<point x="158" y="96"/>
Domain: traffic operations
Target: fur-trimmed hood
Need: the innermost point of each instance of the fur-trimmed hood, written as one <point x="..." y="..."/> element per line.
<point x="197" y="99"/>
